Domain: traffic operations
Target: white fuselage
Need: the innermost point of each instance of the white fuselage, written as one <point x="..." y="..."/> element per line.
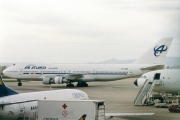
<point x="169" y="80"/>
<point x="98" y="72"/>
<point x="28" y="109"/>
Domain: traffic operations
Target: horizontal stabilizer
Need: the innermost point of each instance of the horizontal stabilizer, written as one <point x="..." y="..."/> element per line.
<point x="111" y="115"/>
<point x="156" y="67"/>
<point x="10" y="103"/>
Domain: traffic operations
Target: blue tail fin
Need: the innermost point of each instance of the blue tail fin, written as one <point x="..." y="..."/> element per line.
<point x="4" y="90"/>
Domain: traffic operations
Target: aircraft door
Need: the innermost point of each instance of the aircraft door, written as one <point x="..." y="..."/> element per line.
<point x="157" y="77"/>
<point x="20" y="71"/>
<point x="131" y="72"/>
<point x="94" y="73"/>
<point x="22" y="110"/>
<point x="69" y="71"/>
<point x="41" y="72"/>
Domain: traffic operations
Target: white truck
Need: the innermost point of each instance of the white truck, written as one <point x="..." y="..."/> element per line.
<point x="71" y="110"/>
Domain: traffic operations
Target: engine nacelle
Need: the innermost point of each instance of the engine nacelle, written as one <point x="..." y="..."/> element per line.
<point x="54" y="80"/>
<point x="46" y="80"/>
<point x="139" y="82"/>
<point x="60" y="80"/>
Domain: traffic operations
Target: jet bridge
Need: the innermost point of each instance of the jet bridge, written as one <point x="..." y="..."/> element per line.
<point x="145" y="91"/>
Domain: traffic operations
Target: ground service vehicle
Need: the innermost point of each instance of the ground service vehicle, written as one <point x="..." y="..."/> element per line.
<point x="174" y="108"/>
<point x="71" y="110"/>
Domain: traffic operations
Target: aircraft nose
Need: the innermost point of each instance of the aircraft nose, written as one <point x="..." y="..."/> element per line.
<point x="5" y="72"/>
<point x="135" y="82"/>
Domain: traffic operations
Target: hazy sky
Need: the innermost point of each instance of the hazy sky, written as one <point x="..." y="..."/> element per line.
<point x="81" y="31"/>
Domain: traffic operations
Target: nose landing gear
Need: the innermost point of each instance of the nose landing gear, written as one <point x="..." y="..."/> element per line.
<point x="19" y="83"/>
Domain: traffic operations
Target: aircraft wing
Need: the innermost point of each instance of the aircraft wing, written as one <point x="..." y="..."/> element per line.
<point x="111" y="115"/>
<point x="73" y="76"/>
<point x="68" y="76"/>
<point x="10" y="103"/>
<point x="155" y="67"/>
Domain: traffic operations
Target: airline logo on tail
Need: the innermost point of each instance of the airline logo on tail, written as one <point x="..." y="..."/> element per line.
<point x="159" y="49"/>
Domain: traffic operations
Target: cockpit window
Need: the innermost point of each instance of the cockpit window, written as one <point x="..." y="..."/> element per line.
<point x="143" y="77"/>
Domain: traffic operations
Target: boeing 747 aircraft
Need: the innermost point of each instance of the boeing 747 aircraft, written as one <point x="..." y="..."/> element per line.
<point x="82" y="73"/>
<point x="15" y="106"/>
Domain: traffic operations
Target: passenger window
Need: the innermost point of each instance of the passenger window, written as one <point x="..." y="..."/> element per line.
<point x="143" y="77"/>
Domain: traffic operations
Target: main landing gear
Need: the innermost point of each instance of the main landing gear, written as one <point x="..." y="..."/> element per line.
<point x="19" y="83"/>
<point x="79" y="84"/>
<point x="70" y="85"/>
<point x="82" y="84"/>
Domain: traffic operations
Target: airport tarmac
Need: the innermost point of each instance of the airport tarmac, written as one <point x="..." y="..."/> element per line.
<point x="119" y="96"/>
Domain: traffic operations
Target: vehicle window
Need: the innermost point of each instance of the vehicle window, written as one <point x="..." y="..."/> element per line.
<point x="173" y="106"/>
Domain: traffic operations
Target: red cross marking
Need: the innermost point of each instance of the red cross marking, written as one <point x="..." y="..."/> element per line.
<point x="64" y="106"/>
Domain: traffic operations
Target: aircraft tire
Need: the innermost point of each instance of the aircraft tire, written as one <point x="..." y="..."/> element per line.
<point x="19" y="84"/>
<point x="86" y="85"/>
<point x="78" y="84"/>
<point x="171" y="111"/>
<point x="82" y="84"/>
<point x="70" y="85"/>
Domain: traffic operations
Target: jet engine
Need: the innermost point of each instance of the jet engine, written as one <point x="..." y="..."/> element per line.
<point x="54" y="80"/>
<point x="140" y="82"/>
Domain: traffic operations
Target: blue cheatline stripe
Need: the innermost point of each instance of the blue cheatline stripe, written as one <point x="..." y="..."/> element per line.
<point x="85" y="73"/>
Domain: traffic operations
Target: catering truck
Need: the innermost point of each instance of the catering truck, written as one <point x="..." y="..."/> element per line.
<point x="71" y="110"/>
